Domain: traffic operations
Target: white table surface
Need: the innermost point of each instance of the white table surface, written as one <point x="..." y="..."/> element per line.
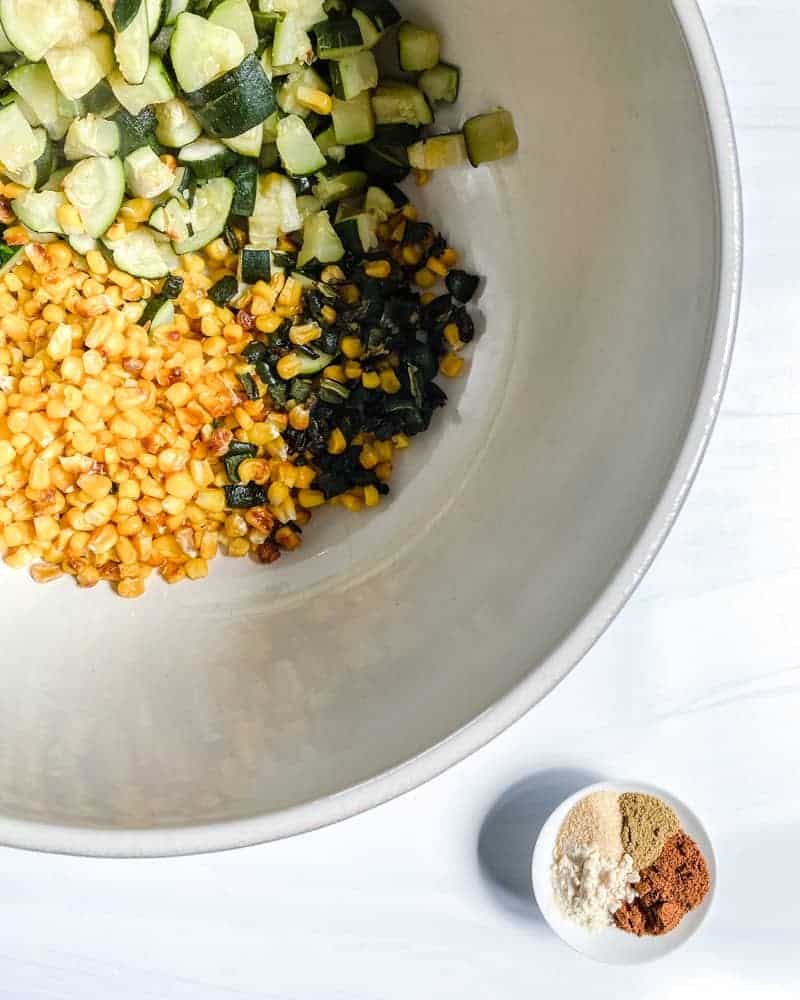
<point x="696" y="687"/>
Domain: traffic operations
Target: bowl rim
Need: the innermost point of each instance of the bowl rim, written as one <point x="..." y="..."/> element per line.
<point x="546" y="838"/>
<point x="229" y="835"/>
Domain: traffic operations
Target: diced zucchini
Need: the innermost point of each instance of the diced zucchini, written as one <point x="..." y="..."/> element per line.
<point x="440" y="84"/>
<point x="275" y="211"/>
<point x="38" y="211"/>
<point x="235" y="102"/>
<point x="400" y="103"/>
<point x="320" y="241"/>
<point x="146" y="175"/>
<point x="353" y="121"/>
<point x="174" y="9"/>
<point x="202" y="52"/>
<point x="382" y="13"/>
<point x="291" y="42"/>
<point x="81" y="243"/>
<point x="38" y="173"/>
<point x="299" y="153"/>
<point x="172" y="219"/>
<point x="249" y="143"/>
<point x="339" y="186"/>
<point x="245" y="178"/>
<point x="156" y="15"/>
<point x="132" y="46"/>
<point x="19" y="147"/>
<point x="237" y="16"/>
<point x="308" y="204"/>
<point x="209" y="214"/>
<point x="338" y="38"/>
<point x="88" y="22"/>
<point x="353" y="75"/>
<point x="358" y="233"/>
<point x="206" y="158"/>
<point x="163" y="313"/>
<point x="156" y="88"/>
<point x="91" y="136"/>
<point x="99" y="101"/>
<point x="122" y="12"/>
<point x="135" y="130"/>
<point x="96" y="187"/>
<point x="78" y="70"/>
<point x="177" y="126"/>
<point x="254" y="265"/>
<point x="35" y="26"/>
<point x="329" y="147"/>
<point x="438" y="152"/>
<point x="379" y="203"/>
<point x="385" y="161"/>
<point x="140" y="254"/>
<point x="490" y="137"/>
<point x="419" y="48"/>
<point x="36" y="87"/>
<point x="307" y="12"/>
<point x="288" y="100"/>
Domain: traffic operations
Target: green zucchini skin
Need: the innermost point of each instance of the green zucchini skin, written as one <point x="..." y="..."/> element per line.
<point x="244" y="175"/>
<point x="123" y="12"/>
<point x="239" y="100"/>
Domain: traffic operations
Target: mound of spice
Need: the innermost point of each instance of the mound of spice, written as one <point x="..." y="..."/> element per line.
<point x="624" y="861"/>
<point x="669" y="889"/>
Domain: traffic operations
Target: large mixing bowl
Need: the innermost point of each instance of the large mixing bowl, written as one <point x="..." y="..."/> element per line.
<point x="268" y="701"/>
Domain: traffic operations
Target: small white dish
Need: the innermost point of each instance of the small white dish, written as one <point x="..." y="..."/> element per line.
<point x="612" y="946"/>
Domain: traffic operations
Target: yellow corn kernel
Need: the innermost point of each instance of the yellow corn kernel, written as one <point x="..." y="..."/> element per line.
<point x="117" y="231"/>
<point x="287" y="474"/>
<point x="277" y="494"/>
<point x="453" y="336"/>
<point x="178" y="394"/>
<point x="291" y="293"/>
<point x="426" y="298"/>
<point x="332" y="274"/>
<point x="389" y="382"/>
<point x="329" y="315"/>
<point x="69" y="219"/>
<point x="351" y="503"/>
<point x="217" y="251"/>
<point x="412" y="255"/>
<point x="352" y="370"/>
<point x="422" y="177"/>
<point x="180" y="485"/>
<point x="425" y="278"/>
<point x="370" y="380"/>
<point x="316" y="100"/>
<point x="196" y="569"/>
<point x="371" y="496"/>
<point x="287" y="538"/>
<point x="300" y="418"/>
<point x="39" y="476"/>
<point x="337" y="442"/>
<point x="335" y="372"/>
<point x="43" y="573"/>
<point x="46" y="528"/>
<point x="351" y="347"/>
<point x="137" y="210"/>
<point x="384" y="450"/>
<point x="238" y="547"/>
<point x="269" y="323"/>
<point x="383" y="471"/>
<point x="212" y="500"/>
<point x="435" y="264"/>
<point x="401" y="441"/>
<point x="305" y="477"/>
<point x="254" y="470"/>
<point x="449" y="258"/>
<point x="97" y="262"/>
<point x="305" y="333"/>
<point x="208" y="545"/>
<point x="131" y="587"/>
<point x="350" y="294"/>
<point x="7" y="453"/>
<point x="262" y="433"/>
<point x="378" y="269"/>
<point x="126" y="552"/>
<point x="311" y="498"/>
<point x="368" y="457"/>
<point x="451" y="366"/>
<point x="289" y="366"/>
<point x="16" y="236"/>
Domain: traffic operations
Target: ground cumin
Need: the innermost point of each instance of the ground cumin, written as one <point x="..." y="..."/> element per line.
<point x="647" y="824"/>
<point x="667" y="890"/>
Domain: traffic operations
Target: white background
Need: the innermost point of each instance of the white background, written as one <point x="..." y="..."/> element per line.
<point x="696" y="687"/>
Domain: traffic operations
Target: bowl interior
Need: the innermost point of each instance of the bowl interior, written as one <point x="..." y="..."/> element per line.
<point x="129" y="727"/>
<point x="611" y="945"/>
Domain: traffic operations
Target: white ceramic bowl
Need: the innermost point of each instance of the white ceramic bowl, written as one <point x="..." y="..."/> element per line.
<point x="610" y="945"/>
<point x="266" y="702"/>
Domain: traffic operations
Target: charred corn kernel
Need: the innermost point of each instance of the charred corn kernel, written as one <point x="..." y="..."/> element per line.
<point x="16" y="236"/>
<point x="329" y="315"/>
<point x="383" y="471"/>
<point x="351" y="347"/>
<point x="311" y="498"/>
<point x="315" y="100"/>
<point x="287" y="538"/>
<point x="425" y="278"/>
<point x="235" y="526"/>
<point x="196" y="569"/>
<point x="137" y="209"/>
<point x="335" y="372"/>
<point x="351" y="503"/>
<point x="378" y="269"/>
<point x="453" y="336"/>
<point x="277" y="494"/>
<point x="169" y="160"/>
<point x="435" y="264"/>
<point x="451" y="366"/>
<point x="350" y="294"/>
<point x="305" y="477"/>
<point x="412" y="255"/>
<point x="289" y="367"/>
<point x="389" y="382"/>
<point x="269" y="323"/>
<point x="211" y="500"/>
<point x="42" y="573"/>
<point x="449" y="258"/>
<point x="254" y="470"/>
<point x="337" y="443"/>
<point x="285" y="244"/>
<point x="305" y="333"/>
<point x="371" y="496"/>
<point x="370" y="380"/>
<point x="401" y="441"/>
<point x="238" y="547"/>
<point x="299" y="418"/>
<point x="332" y="274"/>
<point x="131" y="587"/>
<point x="368" y="457"/>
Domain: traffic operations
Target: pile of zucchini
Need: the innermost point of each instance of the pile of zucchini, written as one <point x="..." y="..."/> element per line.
<point x="276" y="111"/>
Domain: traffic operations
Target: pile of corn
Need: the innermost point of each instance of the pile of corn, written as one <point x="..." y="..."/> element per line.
<point x="111" y="436"/>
